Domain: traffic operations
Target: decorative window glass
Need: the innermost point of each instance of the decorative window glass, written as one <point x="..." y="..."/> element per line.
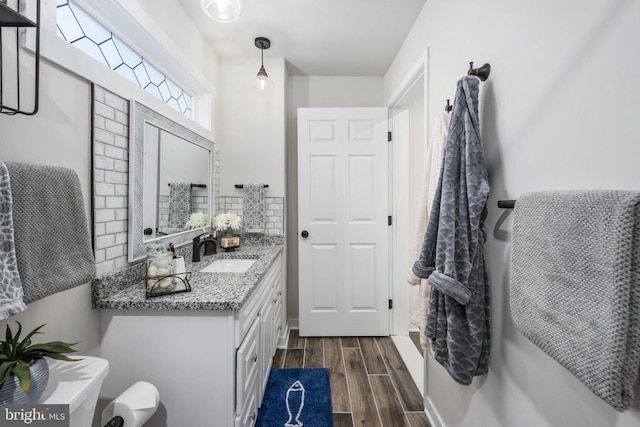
<point x="82" y="30"/>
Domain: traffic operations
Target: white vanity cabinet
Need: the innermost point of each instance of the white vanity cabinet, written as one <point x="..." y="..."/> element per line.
<point x="257" y="347"/>
<point x="210" y="366"/>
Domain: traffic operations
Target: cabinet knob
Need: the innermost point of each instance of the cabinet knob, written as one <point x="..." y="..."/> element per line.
<point x="273" y="301"/>
<point x="280" y="293"/>
<point x="254" y="358"/>
<point x="253" y="417"/>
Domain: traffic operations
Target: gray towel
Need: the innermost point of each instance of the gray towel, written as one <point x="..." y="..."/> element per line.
<point x="575" y="285"/>
<point x="179" y="205"/>
<point x="253" y="208"/>
<point x="11" y="301"/>
<point x="53" y="244"/>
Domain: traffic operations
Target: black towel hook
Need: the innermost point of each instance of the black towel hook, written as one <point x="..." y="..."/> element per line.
<point x="482" y="72"/>
<point x="448" y="107"/>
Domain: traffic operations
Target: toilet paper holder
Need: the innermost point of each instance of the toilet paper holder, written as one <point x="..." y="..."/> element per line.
<point x="116" y="421"/>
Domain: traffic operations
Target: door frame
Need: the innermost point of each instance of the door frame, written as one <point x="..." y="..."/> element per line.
<point x="400" y="233"/>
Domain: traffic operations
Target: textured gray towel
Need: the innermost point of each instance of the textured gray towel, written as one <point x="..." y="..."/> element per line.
<point x="179" y="205"/>
<point x="575" y="285"/>
<point x="11" y="301"/>
<point x="53" y="244"/>
<point x="253" y="208"/>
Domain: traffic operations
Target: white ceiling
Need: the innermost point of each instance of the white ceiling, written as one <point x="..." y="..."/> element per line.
<point x="316" y="37"/>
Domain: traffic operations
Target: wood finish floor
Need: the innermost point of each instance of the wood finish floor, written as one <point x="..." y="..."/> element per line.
<point x="370" y="384"/>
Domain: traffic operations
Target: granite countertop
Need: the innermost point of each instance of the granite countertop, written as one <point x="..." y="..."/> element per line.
<point x="209" y="291"/>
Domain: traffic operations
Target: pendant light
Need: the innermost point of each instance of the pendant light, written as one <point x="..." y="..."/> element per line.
<point x="223" y="11"/>
<point x="262" y="82"/>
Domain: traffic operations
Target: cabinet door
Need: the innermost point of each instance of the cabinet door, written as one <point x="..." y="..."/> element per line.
<point x="248" y="371"/>
<point x="266" y="335"/>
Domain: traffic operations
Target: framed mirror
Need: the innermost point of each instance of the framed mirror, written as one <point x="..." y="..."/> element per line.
<point x="170" y="178"/>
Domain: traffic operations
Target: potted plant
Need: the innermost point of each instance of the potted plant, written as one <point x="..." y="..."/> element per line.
<point x="24" y="372"/>
<point x="226" y="224"/>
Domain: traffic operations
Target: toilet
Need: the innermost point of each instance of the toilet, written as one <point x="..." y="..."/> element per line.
<point x="76" y="384"/>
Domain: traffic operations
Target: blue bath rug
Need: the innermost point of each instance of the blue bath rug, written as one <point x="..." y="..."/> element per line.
<point x="296" y="398"/>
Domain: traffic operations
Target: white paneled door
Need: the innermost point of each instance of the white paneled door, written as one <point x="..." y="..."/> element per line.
<point x="343" y="233"/>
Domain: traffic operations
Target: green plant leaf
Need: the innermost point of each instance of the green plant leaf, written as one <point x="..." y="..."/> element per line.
<point x="60" y="357"/>
<point x="7" y="334"/>
<point x="27" y="340"/>
<point x="21" y="369"/>
<point x="6" y="368"/>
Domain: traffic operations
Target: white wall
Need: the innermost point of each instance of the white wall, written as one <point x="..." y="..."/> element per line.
<point x="315" y="91"/>
<point x="251" y="127"/>
<point x="558" y="113"/>
<point x="58" y="135"/>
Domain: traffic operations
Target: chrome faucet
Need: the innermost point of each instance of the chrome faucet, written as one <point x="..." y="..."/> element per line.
<point x="197" y="245"/>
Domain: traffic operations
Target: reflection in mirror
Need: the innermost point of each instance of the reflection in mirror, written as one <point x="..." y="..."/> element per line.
<point x="171" y="178"/>
<point x="171" y="192"/>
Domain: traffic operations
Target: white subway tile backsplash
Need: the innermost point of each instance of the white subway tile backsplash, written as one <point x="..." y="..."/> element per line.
<point x="115" y="227"/>
<point x="115" y="127"/>
<point x="121" y="141"/>
<point x="99" y="229"/>
<point x="104" y="189"/>
<point x="121" y="238"/>
<point x="116" y="102"/>
<point x="121" y="166"/>
<point x="122" y="118"/>
<point x="121" y="189"/>
<point x="98" y="94"/>
<point x="105" y="241"/>
<point x="115" y="152"/>
<point x="105" y="215"/>
<point x="114" y="252"/>
<point x="101" y="162"/>
<point x="122" y="214"/>
<point x="98" y="122"/>
<point x="104" y="110"/>
<point x="115" y="177"/>
<point x="105" y="267"/>
<point x="100" y="255"/>
<point x="116" y="202"/>
<point x="275" y="214"/>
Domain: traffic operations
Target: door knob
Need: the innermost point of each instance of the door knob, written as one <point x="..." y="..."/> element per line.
<point x="304" y="234"/>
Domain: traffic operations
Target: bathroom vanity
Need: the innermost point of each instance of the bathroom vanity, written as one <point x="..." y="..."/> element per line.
<point x="207" y="351"/>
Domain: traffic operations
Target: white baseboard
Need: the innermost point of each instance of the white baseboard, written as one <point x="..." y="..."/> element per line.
<point x="294" y="324"/>
<point x="284" y="337"/>
<point x="432" y="413"/>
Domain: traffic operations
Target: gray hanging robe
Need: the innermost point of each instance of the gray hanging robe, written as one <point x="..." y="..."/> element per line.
<point x="452" y="256"/>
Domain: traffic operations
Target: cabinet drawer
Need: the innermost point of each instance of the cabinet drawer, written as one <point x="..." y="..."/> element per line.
<point x="248" y="359"/>
<point x="247" y="314"/>
<point x="249" y="414"/>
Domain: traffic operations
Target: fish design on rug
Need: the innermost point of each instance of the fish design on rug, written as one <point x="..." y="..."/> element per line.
<point x="295" y="399"/>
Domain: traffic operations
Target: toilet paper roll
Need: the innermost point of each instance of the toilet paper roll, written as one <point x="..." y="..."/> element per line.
<point x="135" y="405"/>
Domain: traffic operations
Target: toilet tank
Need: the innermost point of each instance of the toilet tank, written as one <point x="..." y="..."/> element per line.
<point x="76" y="384"/>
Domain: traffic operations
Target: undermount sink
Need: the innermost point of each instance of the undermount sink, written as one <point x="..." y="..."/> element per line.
<point x="228" y="265"/>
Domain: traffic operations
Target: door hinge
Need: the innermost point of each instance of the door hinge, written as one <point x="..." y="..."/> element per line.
<point x="389" y="220"/>
<point x="389" y="136"/>
<point x="390" y="304"/>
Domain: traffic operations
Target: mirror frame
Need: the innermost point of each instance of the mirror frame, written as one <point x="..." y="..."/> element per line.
<point x="140" y="115"/>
